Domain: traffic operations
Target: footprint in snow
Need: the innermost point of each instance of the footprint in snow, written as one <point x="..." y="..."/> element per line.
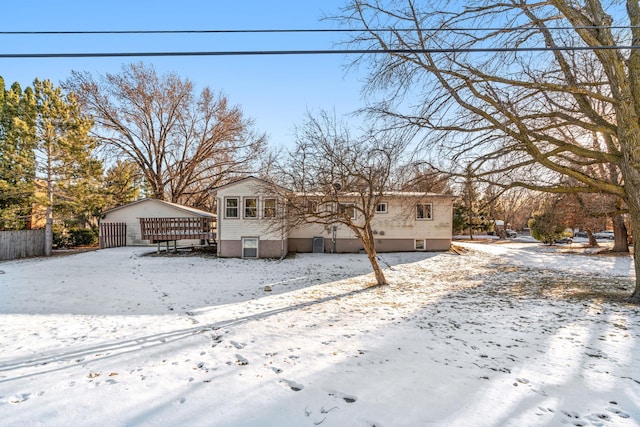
<point x="293" y="385"/>
<point x="241" y="361"/>
<point x="346" y="397"/>
<point x="618" y="412"/>
<point x="19" y="398"/>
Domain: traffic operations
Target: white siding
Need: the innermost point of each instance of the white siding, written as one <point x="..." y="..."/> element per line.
<point x="398" y="223"/>
<point x="236" y="228"/>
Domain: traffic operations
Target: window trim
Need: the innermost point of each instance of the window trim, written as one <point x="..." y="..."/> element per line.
<point x="342" y="208"/>
<point x="244" y="207"/>
<point x="237" y="208"/>
<point x="385" y="210"/>
<point x="242" y="248"/>
<point x="312" y="207"/>
<point x="428" y="218"/>
<point x="264" y="208"/>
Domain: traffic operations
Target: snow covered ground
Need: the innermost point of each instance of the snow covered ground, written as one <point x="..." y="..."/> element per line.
<point x="514" y="334"/>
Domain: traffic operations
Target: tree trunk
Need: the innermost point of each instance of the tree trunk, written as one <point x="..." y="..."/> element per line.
<point x="48" y="227"/>
<point x="631" y="172"/>
<point x="370" y="248"/>
<point x="593" y="243"/>
<point x="635" y="296"/>
<point x="377" y="271"/>
<point x="621" y="241"/>
<point x="634" y="211"/>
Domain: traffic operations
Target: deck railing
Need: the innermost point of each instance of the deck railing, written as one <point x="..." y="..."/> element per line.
<point x="171" y="229"/>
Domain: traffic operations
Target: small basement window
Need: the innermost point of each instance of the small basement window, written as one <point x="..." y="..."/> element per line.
<point x="420" y="245"/>
<point x="249" y="247"/>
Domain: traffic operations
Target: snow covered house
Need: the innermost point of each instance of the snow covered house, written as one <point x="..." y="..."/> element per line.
<point x="183" y="225"/>
<point x="248" y="215"/>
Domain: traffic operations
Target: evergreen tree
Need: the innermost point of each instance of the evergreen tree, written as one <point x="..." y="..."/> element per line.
<point x="122" y="183"/>
<point x="546" y="226"/>
<point x="17" y="160"/>
<point x="65" y="156"/>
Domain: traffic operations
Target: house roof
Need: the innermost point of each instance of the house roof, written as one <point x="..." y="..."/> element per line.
<point x="408" y="194"/>
<point x="247" y="178"/>
<point x="175" y="205"/>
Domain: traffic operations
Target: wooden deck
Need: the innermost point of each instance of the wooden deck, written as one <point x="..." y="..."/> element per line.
<point x="158" y="230"/>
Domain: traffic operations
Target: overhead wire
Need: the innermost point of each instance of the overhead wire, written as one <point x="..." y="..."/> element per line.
<point x="304" y="51"/>
<point x="309" y="30"/>
<point x="311" y="52"/>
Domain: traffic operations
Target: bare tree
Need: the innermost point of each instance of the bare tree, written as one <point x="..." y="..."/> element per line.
<point x="335" y="178"/>
<point x="528" y="117"/>
<point x="184" y="144"/>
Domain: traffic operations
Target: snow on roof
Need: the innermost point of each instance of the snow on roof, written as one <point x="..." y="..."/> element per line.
<point x="410" y="194"/>
<point x="239" y="180"/>
<point x="175" y="205"/>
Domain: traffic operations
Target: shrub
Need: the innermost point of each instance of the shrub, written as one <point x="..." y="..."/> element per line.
<point x="83" y="237"/>
<point x="546" y="227"/>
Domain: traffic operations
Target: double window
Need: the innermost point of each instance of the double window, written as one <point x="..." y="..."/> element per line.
<point x="424" y="211"/>
<point x="381" y="208"/>
<point x="250" y="207"/>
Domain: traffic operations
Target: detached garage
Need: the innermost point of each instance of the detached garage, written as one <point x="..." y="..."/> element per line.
<point x="163" y="221"/>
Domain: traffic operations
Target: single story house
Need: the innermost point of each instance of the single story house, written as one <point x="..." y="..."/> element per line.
<point x="156" y="210"/>
<point x="248" y="215"/>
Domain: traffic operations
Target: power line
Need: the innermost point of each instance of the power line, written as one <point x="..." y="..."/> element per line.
<point x="315" y="30"/>
<point x="312" y="52"/>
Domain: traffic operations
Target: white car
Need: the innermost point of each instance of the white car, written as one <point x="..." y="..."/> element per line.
<point x="602" y="235"/>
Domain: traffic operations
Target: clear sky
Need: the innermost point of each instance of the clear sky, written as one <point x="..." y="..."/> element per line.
<point x="275" y="91"/>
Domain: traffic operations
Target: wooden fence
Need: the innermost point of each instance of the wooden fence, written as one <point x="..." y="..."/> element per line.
<point x="113" y="234"/>
<point x="21" y="244"/>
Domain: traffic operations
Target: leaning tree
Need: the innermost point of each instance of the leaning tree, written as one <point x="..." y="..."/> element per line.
<point x="332" y="177"/>
<point x="532" y="92"/>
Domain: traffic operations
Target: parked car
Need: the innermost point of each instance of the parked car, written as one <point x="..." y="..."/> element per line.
<point x="605" y="234"/>
<point x="581" y="234"/>
<point x="511" y="234"/>
<point x="565" y="240"/>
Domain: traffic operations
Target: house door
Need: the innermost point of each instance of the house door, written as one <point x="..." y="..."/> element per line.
<point x="318" y="245"/>
<point x="249" y="247"/>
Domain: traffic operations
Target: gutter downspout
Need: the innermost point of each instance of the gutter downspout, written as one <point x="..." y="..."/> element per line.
<point x="218" y="226"/>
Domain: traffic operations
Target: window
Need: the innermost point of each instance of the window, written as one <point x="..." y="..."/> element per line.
<point x="381" y="208"/>
<point x="312" y="206"/>
<point x="249" y="247"/>
<point x="269" y="208"/>
<point x="420" y="245"/>
<point x="347" y="209"/>
<point x="231" y="208"/>
<point x="424" y="211"/>
<point x="250" y="207"/>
